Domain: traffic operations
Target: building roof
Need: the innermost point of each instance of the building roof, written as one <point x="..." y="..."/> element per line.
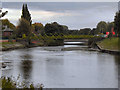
<point x="7" y="29"/>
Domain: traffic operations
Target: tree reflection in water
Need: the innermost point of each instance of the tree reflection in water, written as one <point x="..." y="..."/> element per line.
<point x="26" y="67"/>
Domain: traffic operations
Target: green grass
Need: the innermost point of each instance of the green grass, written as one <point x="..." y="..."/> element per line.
<point x="4" y="43"/>
<point x="11" y="45"/>
<point x="110" y="43"/>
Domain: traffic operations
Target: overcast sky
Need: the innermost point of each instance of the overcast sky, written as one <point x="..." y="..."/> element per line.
<point x="59" y="0"/>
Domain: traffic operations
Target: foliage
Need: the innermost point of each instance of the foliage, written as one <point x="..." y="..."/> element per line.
<point x="110" y="26"/>
<point x="38" y="28"/>
<point x="101" y="27"/>
<point x="53" y="29"/>
<point x="25" y="14"/>
<point x="85" y="31"/>
<point x="6" y="22"/>
<point x="8" y="83"/>
<point x="92" y="32"/>
<point x="117" y="23"/>
<point x="53" y="40"/>
<point x="24" y="36"/>
<point x="23" y="28"/>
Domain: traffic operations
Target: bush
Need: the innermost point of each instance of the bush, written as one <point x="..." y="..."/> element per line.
<point x="8" y="83"/>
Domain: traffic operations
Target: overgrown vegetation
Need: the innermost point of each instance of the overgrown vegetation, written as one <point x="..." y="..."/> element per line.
<point x="117" y="23"/>
<point x="8" y="83"/>
<point x="6" y="22"/>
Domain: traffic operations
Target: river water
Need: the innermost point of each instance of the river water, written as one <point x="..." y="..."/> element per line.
<point x="62" y="69"/>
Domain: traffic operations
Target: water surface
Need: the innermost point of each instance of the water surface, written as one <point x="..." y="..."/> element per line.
<point x="62" y="69"/>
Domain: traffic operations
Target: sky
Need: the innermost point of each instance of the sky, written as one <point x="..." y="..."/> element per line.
<point x="74" y="17"/>
<point x="59" y="0"/>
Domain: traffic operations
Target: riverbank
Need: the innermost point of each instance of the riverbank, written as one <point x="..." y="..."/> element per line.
<point x="109" y="45"/>
<point x="5" y="46"/>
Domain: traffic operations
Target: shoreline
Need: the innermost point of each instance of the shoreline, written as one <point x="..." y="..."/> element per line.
<point x="21" y="46"/>
<point x="116" y="52"/>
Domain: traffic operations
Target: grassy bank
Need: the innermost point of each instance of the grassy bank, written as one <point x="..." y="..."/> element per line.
<point x="11" y="45"/>
<point x="112" y="44"/>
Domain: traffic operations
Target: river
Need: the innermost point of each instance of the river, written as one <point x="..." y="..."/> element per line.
<point x="62" y="69"/>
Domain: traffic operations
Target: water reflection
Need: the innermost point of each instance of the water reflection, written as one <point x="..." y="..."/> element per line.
<point x="26" y="66"/>
<point x="117" y="58"/>
<point x="63" y="69"/>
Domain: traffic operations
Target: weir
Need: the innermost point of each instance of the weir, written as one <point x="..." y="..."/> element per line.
<point x="75" y="41"/>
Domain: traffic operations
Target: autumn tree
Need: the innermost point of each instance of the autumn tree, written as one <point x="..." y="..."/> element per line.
<point x="38" y="28"/>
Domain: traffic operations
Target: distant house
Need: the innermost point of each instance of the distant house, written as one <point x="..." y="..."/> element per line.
<point x="6" y="32"/>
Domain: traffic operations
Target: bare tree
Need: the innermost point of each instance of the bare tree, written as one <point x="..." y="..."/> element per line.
<point x="2" y="14"/>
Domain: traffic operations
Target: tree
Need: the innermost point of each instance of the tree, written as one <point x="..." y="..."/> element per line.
<point x="38" y="28"/>
<point x="53" y="29"/>
<point x="117" y="23"/>
<point x="92" y="32"/>
<point x="25" y="13"/>
<point x="85" y="31"/>
<point x="110" y="26"/>
<point x="2" y="14"/>
<point x="101" y="27"/>
<point x="23" y="27"/>
<point x="6" y="22"/>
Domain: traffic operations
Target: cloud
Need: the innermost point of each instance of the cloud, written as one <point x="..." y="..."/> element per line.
<point x="47" y="15"/>
<point x="37" y="15"/>
<point x="78" y="16"/>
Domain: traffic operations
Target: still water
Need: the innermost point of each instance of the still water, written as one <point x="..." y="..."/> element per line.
<point x="62" y="69"/>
